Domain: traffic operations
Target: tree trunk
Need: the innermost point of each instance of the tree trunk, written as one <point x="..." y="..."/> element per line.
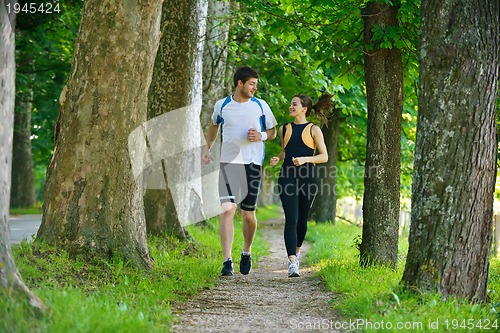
<point x="11" y="283"/>
<point x="173" y="184"/>
<point x="234" y="7"/>
<point x="214" y="88"/>
<point x="384" y="90"/>
<point x="22" y="192"/>
<point x="93" y="201"/>
<point x="214" y="58"/>
<point x="267" y="193"/>
<point x="324" y="208"/>
<point x="455" y="154"/>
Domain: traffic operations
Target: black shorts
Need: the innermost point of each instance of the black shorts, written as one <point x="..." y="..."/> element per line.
<point x="240" y="183"/>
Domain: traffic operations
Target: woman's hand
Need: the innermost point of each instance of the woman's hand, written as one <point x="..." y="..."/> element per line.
<point x="299" y="160"/>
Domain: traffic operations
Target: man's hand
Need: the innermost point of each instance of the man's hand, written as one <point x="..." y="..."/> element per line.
<point x="254" y="135"/>
<point x="206" y="157"/>
<point x="274" y="160"/>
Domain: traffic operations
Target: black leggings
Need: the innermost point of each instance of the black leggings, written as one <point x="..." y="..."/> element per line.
<point x="297" y="191"/>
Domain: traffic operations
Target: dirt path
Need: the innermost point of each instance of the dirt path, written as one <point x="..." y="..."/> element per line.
<point x="265" y="300"/>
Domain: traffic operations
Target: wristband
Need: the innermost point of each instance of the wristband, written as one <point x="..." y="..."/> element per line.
<point x="264" y="136"/>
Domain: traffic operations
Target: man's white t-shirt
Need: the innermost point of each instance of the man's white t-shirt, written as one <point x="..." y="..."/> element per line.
<point x="238" y="118"/>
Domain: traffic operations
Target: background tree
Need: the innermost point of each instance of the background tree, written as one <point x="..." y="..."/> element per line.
<point x="324" y="208"/>
<point x="215" y="57"/>
<point x="315" y="46"/>
<point x="22" y="192"/>
<point x="217" y="83"/>
<point x="384" y="92"/>
<point x="93" y="204"/>
<point x="175" y="101"/>
<point x="11" y="283"/>
<point x="44" y="44"/>
<point x="455" y="156"/>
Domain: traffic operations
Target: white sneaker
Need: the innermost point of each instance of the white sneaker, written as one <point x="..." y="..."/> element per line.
<point x="293" y="269"/>
<point x="297" y="259"/>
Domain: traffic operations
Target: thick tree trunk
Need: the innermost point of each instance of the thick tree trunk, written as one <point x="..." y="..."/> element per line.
<point x="22" y="192"/>
<point x="455" y="154"/>
<point x="384" y="90"/>
<point x="11" y="283"/>
<point x="324" y="208"/>
<point x="93" y="202"/>
<point x="173" y="194"/>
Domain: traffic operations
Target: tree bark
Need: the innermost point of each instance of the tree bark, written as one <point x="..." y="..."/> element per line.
<point x="384" y="90"/>
<point x="214" y="58"/>
<point x="93" y="201"/>
<point x="22" y="192"/>
<point x="455" y="154"/>
<point x="173" y="195"/>
<point x="215" y="84"/>
<point x="324" y="208"/>
<point x="11" y="283"/>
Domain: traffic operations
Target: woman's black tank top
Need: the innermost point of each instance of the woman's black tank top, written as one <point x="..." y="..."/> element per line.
<point x="296" y="147"/>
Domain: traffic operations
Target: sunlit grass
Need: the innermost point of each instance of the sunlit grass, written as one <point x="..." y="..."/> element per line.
<point x="268" y="212"/>
<point x="111" y="296"/>
<point x="374" y="298"/>
<point x="24" y="211"/>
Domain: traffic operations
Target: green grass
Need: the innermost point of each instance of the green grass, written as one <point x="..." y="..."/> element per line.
<point x="373" y="300"/>
<point x="111" y="296"/>
<point x="24" y="211"/>
<point x="268" y="212"/>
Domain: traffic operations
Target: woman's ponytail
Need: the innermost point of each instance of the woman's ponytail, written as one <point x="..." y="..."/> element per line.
<point x="323" y="107"/>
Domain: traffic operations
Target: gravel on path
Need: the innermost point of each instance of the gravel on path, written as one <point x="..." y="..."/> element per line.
<point x="265" y="300"/>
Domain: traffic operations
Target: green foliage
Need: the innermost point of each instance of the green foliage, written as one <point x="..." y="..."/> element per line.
<point x="306" y="46"/>
<point x="311" y="46"/>
<point x="112" y="296"/>
<point x="44" y="46"/>
<point x="374" y="294"/>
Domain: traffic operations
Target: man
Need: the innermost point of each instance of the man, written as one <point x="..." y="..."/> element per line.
<point x="246" y="123"/>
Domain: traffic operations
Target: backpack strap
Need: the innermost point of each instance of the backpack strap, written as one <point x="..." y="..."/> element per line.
<point x="220" y="120"/>
<point x="262" y="118"/>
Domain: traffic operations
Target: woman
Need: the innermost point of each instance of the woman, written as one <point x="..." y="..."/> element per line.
<point x="300" y="140"/>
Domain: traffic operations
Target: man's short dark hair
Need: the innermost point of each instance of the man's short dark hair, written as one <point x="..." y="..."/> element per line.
<point x="243" y="74"/>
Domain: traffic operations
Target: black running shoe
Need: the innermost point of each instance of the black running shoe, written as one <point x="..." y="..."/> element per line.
<point x="227" y="268"/>
<point x="245" y="264"/>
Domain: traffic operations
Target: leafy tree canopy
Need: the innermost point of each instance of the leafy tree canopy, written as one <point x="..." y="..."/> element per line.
<point x="311" y="46"/>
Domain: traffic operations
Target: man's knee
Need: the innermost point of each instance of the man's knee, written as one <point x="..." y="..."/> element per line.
<point x="248" y="215"/>
<point x="228" y="208"/>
